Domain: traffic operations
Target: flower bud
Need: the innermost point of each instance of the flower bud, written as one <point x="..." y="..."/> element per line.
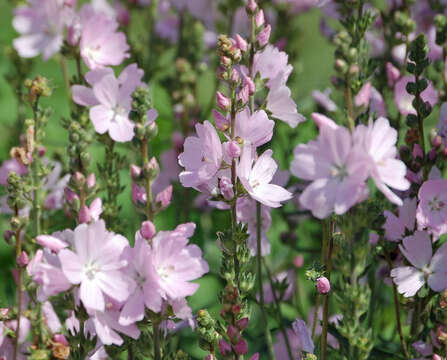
<point x="147" y="230"/>
<point x="23" y="259"/>
<point x="59" y="338"/>
<point x="241" y="43"/>
<point x="51" y="242"/>
<point x="233" y="334"/>
<point x="152" y="169"/>
<point x="241" y="347"/>
<point x="226" y="188"/>
<point x="78" y="178"/>
<point x="392" y="74"/>
<point x="210" y="357"/>
<point x="244" y="95"/>
<point x="242" y="323"/>
<point x="135" y="172"/>
<point x="298" y="261"/>
<point x="164" y="197"/>
<point x="41" y="151"/>
<point x="91" y="180"/>
<point x="255" y="357"/>
<point x="432" y="154"/>
<point x="417" y="152"/>
<point x="70" y="195"/>
<point x="436" y="357"/>
<point x="252" y="6"/>
<point x="225" y="61"/>
<point x="234" y="149"/>
<point x="8" y="234"/>
<point x="247" y="81"/>
<point x="235" y="78"/>
<point x="4" y="312"/>
<point x="222" y="122"/>
<point x="222" y="101"/>
<point x="224" y="347"/>
<point x="264" y="35"/>
<point x="84" y="216"/>
<point x="259" y="18"/>
<point x="436" y="141"/>
<point x="323" y="285"/>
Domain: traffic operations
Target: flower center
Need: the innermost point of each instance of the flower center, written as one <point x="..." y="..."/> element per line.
<point x="339" y="171"/>
<point x="90" y="270"/>
<point x="165" y="271"/>
<point x="436" y="204"/>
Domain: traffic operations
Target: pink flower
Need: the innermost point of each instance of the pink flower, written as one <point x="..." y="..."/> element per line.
<point x="41" y="26"/>
<point x="417" y="249"/>
<point x="379" y="140"/>
<point x="270" y="63"/>
<point x="264" y="36"/>
<point x="202" y="156"/>
<point x="101" y="45"/>
<point x="368" y="96"/>
<point x="442" y="123"/>
<point x="256" y="178"/>
<point x="392" y="74"/>
<point x="281" y="105"/>
<point x="396" y="227"/>
<point x="323" y="99"/>
<point x="92" y="213"/>
<point x="110" y="99"/>
<point x="255" y="129"/>
<point x="432" y="209"/>
<point x="55" y="185"/>
<point x="300" y="329"/>
<point x="404" y="100"/>
<point x="337" y="168"/>
<point x="96" y="265"/>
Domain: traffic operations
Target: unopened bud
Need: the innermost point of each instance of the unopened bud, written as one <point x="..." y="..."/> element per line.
<point x="222" y="101"/>
<point x="23" y="259"/>
<point x="241" y="347"/>
<point x="152" y="169"/>
<point x="222" y="122"/>
<point x="298" y="261"/>
<point x="244" y="95"/>
<point x="84" y="216"/>
<point x="247" y="81"/>
<point x="226" y="188"/>
<point x="259" y="18"/>
<point x="252" y="6"/>
<point x="323" y="285"/>
<point x="234" y="149"/>
<point x="147" y="230"/>
<point x="264" y="36"/>
<point x="242" y="324"/>
<point x="241" y="43"/>
<point x="91" y="180"/>
<point x="135" y="172"/>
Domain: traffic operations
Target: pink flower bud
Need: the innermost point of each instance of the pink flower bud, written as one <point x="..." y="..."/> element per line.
<point x="74" y="34"/>
<point x="436" y="357"/>
<point x="51" y="242"/>
<point x="224" y="347"/>
<point x="252" y="6"/>
<point x="59" y="338"/>
<point x="241" y="43"/>
<point x="122" y="16"/>
<point x="323" y="285"/>
<point x="234" y="150"/>
<point x="84" y="216"/>
<point x="226" y="188"/>
<point x="7" y="234"/>
<point x="259" y="18"/>
<point x="78" y="178"/>
<point x="244" y="95"/>
<point x="432" y="154"/>
<point x="417" y="152"/>
<point x="135" y="171"/>
<point x="164" y="197"/>
<point x="436" y="141"/>
<point x="412" y="177"/>
<point x="242" y="323"/>
<point x="91" y="180"/>
<point x="373" y="238"/>
<point x="235" y="78"/>
<point x="41" y="151"/>
<point x="363" y="96"/>
<point x="250" y="84"/>
<point x="222" y="101"/>
<point x="23" y="259"/>
<point x="70" y="195"/>
<point x="147" y="229"/>
<point x="255" y="357"/>
<point x="225" y="61"/>
<point x="178" y="141"/>
<point x="222" y="122"/>
<point x="298" y="261"/>
<point x="210" y="357"/>
<point x="264" y="35"/>
<point x="4" y="312"/>
<point x="392" y="74"/>
<point x="233" y="334"/>
<point x="241" y="347"/>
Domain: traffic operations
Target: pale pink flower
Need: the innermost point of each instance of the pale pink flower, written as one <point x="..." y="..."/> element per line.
<point x="368" y="96"/>
<point x="96" y="265"/>
<point x="271" y="63"/>
<point x="378" y="141"/>
<point x="431" y="213"/>
<point x="417" y="249"/>
<point x="11" y="165"/>
<point x="280" y="103"/>
<point x="404" y="100"/>
<point x="323" y="99"/>
<point x="255" y="129"/>
<point x="110" y="100"/>
<point x="256" y="176"/>
<point x="55" y="185"/>
<point x="337" y="168"/>
<point x="202" y="156"/>
<point x="396" y="226"/>
<point x="101" y="45"/>
<point x="41" y="26"/>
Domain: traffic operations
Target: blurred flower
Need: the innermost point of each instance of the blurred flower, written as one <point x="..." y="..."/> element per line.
<point x="431" y="213"/>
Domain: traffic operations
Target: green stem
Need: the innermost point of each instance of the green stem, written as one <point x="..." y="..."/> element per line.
<point x="19" y="290"/>
<point x="328" y="264"/>
<point x="397" y="309"/>
<point x="156" y="330"/>
<point x="268" y="336"/>
<point x="348" y="98"/>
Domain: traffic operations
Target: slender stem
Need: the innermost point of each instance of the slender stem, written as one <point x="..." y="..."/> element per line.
<point x="149" y="209"/>
<point x="156" y="330"/>
<point x="66" y="77"/>
<point x="314" y="325"/>
<point x="276" y="301"/>
<point x="268" y="336"/>
<point x="397" y="309"/>
<point x="79" y="69"/>
<point x="348" y="98"/>
<point x="326" y="297"/>
<point x="19" y="290"/>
